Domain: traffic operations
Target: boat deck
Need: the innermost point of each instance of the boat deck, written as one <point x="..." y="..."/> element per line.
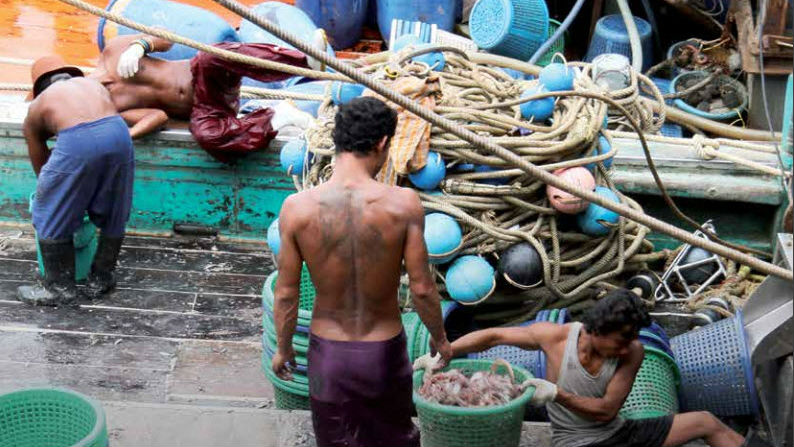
<point x="182" y="327"/>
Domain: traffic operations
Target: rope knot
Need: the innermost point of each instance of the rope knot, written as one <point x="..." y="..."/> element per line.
<point x="704" y="147"/>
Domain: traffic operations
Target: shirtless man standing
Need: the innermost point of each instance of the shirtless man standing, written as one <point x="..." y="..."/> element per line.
<point x="90" y="169"/>
<point x="354" y="234"/>
<point x="205" y="89"/>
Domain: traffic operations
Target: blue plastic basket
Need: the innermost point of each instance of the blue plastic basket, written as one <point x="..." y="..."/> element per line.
<point x="722" y="80"/>
<point x="716" y="374"/>
<point x="611" y="36"/>
<point x="529" y="360"/>
<point x="512" y="28"/>
<point x="672" y="130"/>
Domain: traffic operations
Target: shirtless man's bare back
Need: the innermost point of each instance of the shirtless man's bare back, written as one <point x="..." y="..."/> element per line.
<point x="355" y="234"/>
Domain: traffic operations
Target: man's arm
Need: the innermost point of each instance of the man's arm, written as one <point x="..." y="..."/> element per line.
<point x="287" y="292"/>
<point x="424" y="293"/>
<point x="606" y="408"/>
<point x="36" y="136"/>
<point x="144" y="121"/>
<point x="534" y="336"/>
<point x="120" y="43"/>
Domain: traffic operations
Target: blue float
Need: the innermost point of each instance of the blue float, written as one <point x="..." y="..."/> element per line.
<point x="443" y="237"/>
<point x="431" y="174"/>
<point x="341" y="19"/>
<point x="557" y="77"/>
<point x="185" y="20"/>
<point x="537" y="109"/>
<point x="434" y="60"/>
<point x="603" y="147"/>
<point x="438" y="12"/>
<point x="343" y="92"/>
<point x="293" y="157"/>
<point x="274" y="238"/>
<point x="470" y="279"/>
<point x="596" y="220"/>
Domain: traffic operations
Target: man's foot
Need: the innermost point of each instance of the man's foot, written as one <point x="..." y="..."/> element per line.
<point x="43" y="295"/>
<point x="319" y="41"/>
<point x="58" y="286"/>
<point x="102" y="278"/>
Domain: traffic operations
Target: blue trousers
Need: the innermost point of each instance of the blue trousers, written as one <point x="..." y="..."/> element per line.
<point x="91" y="169"/>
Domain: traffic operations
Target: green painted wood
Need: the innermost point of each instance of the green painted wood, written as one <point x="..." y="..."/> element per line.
<point x="175" y="182"/>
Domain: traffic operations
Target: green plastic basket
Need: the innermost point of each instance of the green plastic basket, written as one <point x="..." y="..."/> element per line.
<point x="655" y="389"/>
<point x="292" y="395"/>
<point x="557" y="47"/>
<point x="300" y="341"/>
<point x="306" y="299"/>
<point x="410" y="321"/>
<point x="51" y="417"/>
<point x="445" y="425"/>
<point x="421" y="342"/>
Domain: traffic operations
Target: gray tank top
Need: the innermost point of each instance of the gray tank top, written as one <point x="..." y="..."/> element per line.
<point x="569" y="429"/>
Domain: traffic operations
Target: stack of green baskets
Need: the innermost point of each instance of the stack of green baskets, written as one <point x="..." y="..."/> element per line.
<point x="557" y="47"/>
<point x="655" y="389"/>
<point x="292" y="394"/>
<point x="418" y="337"/>
<point x="52" y="418"/>
<point x="445" y="425"/>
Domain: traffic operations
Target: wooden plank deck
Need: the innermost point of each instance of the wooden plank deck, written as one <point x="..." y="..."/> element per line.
<point x="183" y="326"/>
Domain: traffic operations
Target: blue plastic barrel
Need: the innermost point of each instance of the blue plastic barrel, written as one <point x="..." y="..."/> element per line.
<point x="185" y="20"/>
<point x="438" y="12"/>
<point x="511" y="28"/>
<point x="341" y="19"/>
<point x="611" y="36"/>
<point x="286" y="16"/>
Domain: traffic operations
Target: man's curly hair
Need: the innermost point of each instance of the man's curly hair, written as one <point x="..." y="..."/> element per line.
<point x="614" y="312"/>
<point x="362" y="123"/>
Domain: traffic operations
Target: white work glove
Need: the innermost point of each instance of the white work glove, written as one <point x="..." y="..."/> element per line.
<point x="287" y="114"/>
<point x="319" y="41"/>
<point x="545" y="391"/>
<point x="430" y="363"/>
<point x="128" y="61"/>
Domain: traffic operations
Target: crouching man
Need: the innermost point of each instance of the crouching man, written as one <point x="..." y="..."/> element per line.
<point x="90" y="169"/>
<point x="591" y="369"/>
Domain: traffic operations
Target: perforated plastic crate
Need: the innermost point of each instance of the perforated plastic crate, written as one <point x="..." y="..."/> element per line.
<point x="512" y="28"/>
<point x="611" y="36"/>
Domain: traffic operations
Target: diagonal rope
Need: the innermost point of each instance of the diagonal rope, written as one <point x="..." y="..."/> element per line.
<point x="228" y="55"/>
<point x="507" y="155"/>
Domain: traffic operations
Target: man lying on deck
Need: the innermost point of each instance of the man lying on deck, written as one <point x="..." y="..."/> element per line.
<point x="90" y="169"/>
<point x="205" y="89"/>
<point x="354" y="234"/>
<point x="592" y="367"/>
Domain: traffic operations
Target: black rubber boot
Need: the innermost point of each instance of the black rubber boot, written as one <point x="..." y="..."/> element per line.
<point x="58" y="286"/>
<point x="102" y="278"/>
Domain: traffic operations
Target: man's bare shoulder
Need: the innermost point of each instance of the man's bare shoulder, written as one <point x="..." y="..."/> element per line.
<point x="298" y="203"/>
<point x="406" y="199"/>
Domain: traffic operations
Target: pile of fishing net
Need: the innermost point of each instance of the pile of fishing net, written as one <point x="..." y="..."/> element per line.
<point x="481" y="389"/>
<point x="572" y="245"/>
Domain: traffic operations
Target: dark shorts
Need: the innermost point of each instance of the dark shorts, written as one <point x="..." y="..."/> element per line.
<point x="216" y="93"/>
<point x="91" y="169"/>
<point x="640" y="433"/>
<point x="361" y="393"/>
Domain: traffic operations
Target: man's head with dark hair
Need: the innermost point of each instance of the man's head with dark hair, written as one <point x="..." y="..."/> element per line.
<point x="615" y="321"/>
<point x="363" y="126"/>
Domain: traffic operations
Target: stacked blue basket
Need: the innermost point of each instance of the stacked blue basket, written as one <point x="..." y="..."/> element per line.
<point x="716" y="374"/>
<point x="512" y="28"/>
<point x="532" y="361"/>
<point x="611" y="36"/>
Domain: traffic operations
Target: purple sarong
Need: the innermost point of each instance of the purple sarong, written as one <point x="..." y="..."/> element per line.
<point x="361" y="393"/>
